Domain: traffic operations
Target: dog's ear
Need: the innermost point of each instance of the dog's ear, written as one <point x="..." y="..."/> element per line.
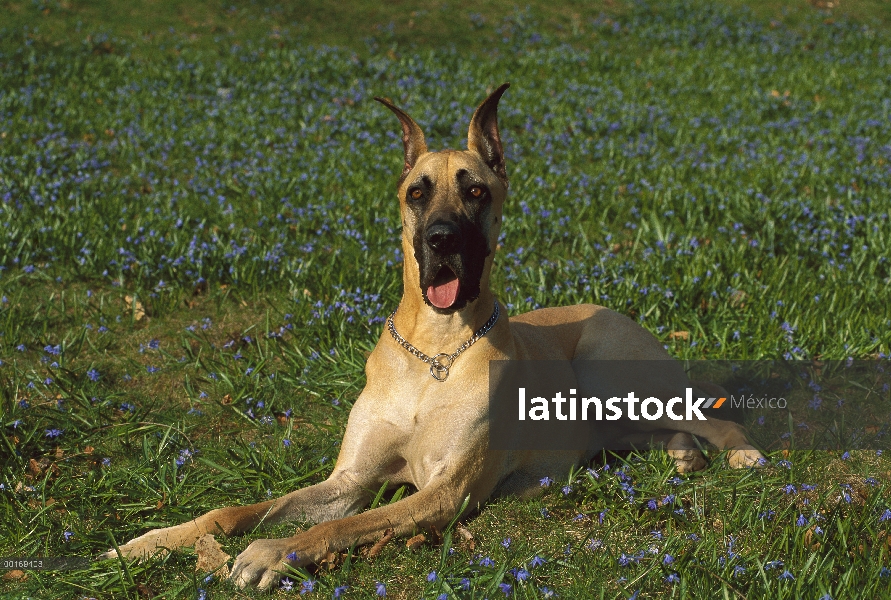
<point x="412" y="137"/>
<point x="483" y="137"/>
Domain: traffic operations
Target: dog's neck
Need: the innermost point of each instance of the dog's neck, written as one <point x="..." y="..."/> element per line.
<point x="432" y="331"/>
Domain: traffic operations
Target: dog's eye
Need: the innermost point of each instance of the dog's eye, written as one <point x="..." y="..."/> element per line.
<point x="475" y="191"/>
<point x="416" y="194"/>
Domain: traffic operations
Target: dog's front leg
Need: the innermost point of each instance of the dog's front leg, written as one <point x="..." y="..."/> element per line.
<point x="434" y="506"/>
<point x="338" y="496"/>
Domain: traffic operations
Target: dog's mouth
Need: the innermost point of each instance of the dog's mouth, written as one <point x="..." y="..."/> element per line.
<point x="444" y="289"/>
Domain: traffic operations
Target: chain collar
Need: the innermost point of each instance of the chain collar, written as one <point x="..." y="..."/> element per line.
<point x="442" y="362"/>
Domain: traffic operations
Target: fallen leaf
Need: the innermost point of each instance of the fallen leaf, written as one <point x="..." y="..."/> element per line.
<point x="679" y="335"/>
<point x="416" y="542"/>
<point x="211" y="557"/>
<point x="88" y="450"/>
<point x="136" y="306"/>
<point x="379" y="545"/>
<point x="466" y="536"/>
<point x="15" y="575"/>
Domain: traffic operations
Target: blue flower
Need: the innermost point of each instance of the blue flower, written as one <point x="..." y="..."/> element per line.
<point x="380" y="589"/>
<point x="536" y="561"/>
<point x="786" y="575"/>
<point x="505" y="588"/>
<point x="673" y="578"/>
<point x="93" y="374"/>
<point x="431" y="576"/>
<point x="340" y="591"/>
<point x="546" y="481"/>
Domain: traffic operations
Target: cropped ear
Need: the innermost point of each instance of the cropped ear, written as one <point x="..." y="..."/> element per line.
<point x="412" y="137"/>
<point x="483" y="137"/>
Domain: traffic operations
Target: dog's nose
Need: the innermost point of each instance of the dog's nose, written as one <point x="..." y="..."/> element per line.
<point x="442" y="237"/>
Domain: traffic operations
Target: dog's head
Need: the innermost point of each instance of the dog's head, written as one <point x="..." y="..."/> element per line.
<point x="451" y="204"/>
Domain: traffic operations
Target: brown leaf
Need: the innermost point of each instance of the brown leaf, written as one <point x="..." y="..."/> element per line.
<point x="227" y="399"/>
<point x="88" y="450"/>
<point x="211" y="556"/>
<point x="15" y="575"/>
<point x="809" y="539"/>
<point x="435" y="535"/>
<point x="34" y="468"/>
<point x="466" y="536"/>
<point x="379" y="545"/>
<point x="136" y="306"/>
<point x="738" y="299"/>
<point x="416" y="542"/>
<point x="679" y="335"/>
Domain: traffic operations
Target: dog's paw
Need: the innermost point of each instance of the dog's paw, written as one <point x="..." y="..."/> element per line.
<point x="745" y="456"/>
<point x="151" y="543"/>
<point x="156" y="542"/>
<point x="688" y="460"/>
<point x="262" y="563"/>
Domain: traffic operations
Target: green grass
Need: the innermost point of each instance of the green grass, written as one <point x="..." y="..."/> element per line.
<point x="199" y="244"/>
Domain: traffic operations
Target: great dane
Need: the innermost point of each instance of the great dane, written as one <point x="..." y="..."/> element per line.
<point x="422" y="418"/>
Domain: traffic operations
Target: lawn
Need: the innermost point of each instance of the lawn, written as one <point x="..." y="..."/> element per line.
<point x="200" y="244"/>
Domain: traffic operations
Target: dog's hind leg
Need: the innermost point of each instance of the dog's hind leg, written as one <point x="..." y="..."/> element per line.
<point x="337" y="497"/>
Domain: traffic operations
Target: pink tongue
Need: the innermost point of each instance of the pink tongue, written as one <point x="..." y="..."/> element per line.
<point x="444" y="294"/>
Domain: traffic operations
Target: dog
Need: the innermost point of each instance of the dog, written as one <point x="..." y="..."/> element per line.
<point x="422" y="418"/>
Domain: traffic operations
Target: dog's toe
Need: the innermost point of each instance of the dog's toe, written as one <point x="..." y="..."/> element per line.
<point x="261" y="564"/>
<point x="745" y="456"/>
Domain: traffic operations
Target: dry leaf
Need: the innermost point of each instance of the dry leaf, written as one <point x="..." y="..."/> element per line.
<point x="211" y="556"/>
<point x="466" y="536"/>
<point x="15" y="575"/>
<point x="379" y="546"/>
<point x="88" y="450"/>
<point x="416" y="542"/>
<point x="136" y="306"/>
<point x="738" y="299"/>
<point x="679" y="335"/>
<point x="809" y="539"/>
<point x="227" y="399"/>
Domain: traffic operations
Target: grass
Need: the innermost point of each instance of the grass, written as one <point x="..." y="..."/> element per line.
<point x="200" y="244"/>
